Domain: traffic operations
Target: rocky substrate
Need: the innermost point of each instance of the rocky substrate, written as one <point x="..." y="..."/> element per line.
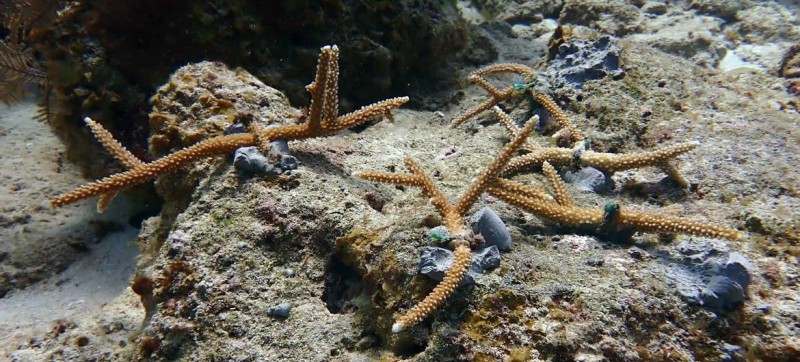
<point x="314" y="264"/>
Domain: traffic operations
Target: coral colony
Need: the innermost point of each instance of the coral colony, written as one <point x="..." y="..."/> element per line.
<point x="612" y="220"/>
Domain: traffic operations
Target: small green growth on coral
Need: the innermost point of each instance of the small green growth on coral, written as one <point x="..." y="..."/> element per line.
<point x="439" y="235"/>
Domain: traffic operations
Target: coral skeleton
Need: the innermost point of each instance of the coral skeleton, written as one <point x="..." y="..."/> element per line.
<point x="116" y="149"/>
<point x="561" y="195"/>
<point x="322" y="121"/>
<point x="453" y="214"/>
<point x="562" y="209"/>
<point x="568" y="130"/>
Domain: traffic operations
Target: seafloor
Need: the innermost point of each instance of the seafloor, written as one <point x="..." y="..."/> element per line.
<point x="343" y="252"/>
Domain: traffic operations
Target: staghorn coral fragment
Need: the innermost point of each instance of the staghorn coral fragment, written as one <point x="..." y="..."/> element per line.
<point x="561" y="194"/>
<point x="125" y="157"/>
<point x="615" y="220"/>
<point x="674" y="174"/>
<point x="566" y="216"/>
<point x="658" y="223"/>
<point x="606" y="162"/>
<point x="556" y="156"/>
<point x="148" y="171"/>
<point x="497" y="96"/>
<point x="452" y="278"/>
<point x="495" y="168"/>
<point x="453" y="215"/>
<point x="113" y="146"/>
<point x="505" y="119"/>
<point x="568" y="130"/>
<point x="322" y="122"/>
<point x="535" y="192"/>
<point x="609" y="163"/>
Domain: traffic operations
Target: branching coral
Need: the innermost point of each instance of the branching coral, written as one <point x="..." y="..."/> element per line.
<point x="560" y="156"/>
<point x="567" y="131"/>
<point x="612" y="219"/>
<point x="321" y="122"/>
<point x="454" y="218"/>
<point x="498" y="96"/>
<point x="560" y="208"/>
<point x="117" y="150"/>
<point x="606" y="162"/>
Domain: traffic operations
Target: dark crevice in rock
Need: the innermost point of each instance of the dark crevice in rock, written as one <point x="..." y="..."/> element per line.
<point x="343" y="286"/>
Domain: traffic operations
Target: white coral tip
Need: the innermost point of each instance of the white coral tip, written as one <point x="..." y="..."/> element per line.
<point x="397" y="327"/>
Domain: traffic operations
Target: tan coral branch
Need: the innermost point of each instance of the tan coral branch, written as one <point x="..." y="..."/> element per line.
<point x="567" y="128"/>
<point x="321" y="122"/>
<point x="125" y="157"/>
<point x="656" y="223"/>
<point x="462" y="257"/>
<point x="606" y="162"/>
<point x="561" y="194"/>
<point x="612" y="162"/>
<point x="451" y="216"/>
<point x="505" y="119"/>
<point x="622" y="219"/>
<point x="112" y="145"/>
<point x="497" y="96"/>
<point x="566" y="216"/>
<point x="480" y="184"/>
<point x="146" y="172"/>
<point x="529" y="191"/>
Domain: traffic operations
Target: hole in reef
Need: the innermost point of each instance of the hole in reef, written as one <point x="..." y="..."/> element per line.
<point x="411" y="344"/>
<point x="343" y="287"/>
